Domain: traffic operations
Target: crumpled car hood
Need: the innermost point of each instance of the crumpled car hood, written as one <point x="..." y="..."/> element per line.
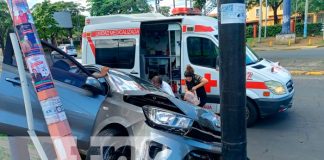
<point x="204" y="117"/>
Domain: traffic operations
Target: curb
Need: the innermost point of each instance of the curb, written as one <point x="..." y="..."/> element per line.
<point x="286" y="48"/>
<point x="308" y="73"/>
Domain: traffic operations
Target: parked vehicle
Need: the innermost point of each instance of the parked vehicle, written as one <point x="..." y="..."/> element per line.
<point x="119" y="105"/>
<point x="68" y="49"/>
<point x="148" y="44"/>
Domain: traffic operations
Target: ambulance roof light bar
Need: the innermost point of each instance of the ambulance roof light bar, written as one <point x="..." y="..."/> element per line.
<point x="185" y="11"/>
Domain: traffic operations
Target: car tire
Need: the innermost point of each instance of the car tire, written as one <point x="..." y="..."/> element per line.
<point x="109" y="152"/>
<point x="251" y="113"/>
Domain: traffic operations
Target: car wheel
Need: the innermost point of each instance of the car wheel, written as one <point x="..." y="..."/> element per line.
<point x="251" y="113"/>
<point x="107" y="150"/>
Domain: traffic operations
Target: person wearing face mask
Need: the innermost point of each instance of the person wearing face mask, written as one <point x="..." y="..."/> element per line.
<point x="195" y="84"/>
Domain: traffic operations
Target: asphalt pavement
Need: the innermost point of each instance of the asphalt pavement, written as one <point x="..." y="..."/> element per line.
<point x="303" y="59"/>
<point x="298" y="133"/>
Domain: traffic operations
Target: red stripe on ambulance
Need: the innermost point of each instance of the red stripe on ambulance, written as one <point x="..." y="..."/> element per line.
<point x="256" y="85"/>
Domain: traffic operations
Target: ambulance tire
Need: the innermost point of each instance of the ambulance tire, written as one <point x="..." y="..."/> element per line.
<point x="109" y="152"/>
<point x="252" y="113"/>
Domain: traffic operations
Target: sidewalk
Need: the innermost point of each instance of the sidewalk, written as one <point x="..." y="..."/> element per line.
<point x="269" y="44"/>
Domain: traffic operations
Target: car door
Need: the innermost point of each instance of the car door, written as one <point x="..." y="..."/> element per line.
<point x="81" y="106"/>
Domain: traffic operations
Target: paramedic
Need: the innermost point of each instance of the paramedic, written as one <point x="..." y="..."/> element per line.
<point x="165" y="87"/>
<point x="195" y="84"/>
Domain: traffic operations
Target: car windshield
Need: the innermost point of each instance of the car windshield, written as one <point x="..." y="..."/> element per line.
<point x="251" y="56"/>
<point x="124" y="82"/>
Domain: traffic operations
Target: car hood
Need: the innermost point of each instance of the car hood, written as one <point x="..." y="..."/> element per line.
<point x="266" y="70"/>
<point x="203" y="117"/>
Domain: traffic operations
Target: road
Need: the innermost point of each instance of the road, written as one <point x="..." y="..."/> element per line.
<point x="304" y="59"/>
<point x="296" y="134"/>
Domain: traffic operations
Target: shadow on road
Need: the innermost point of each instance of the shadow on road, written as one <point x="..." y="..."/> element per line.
<point x="277" y="120"/>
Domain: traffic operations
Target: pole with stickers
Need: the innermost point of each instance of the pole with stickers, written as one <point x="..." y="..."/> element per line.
<point x="58" y="126"/>
<point x="232" y="75"/>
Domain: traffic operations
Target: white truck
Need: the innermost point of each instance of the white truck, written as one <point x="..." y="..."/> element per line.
<point x="148" y="44"/>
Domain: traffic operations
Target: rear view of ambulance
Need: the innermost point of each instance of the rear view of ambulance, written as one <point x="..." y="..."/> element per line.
<point x="145" y="45"/>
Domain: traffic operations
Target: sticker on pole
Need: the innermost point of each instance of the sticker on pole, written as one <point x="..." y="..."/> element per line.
<point x="233" y="13"/>
<point x="39" y="72"/>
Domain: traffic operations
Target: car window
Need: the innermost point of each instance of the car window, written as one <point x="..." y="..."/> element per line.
<point x="202" y="51"/>
<point x="63" y="69"/>
<point x="116" y="53"/>
<point x="70" y="47"/>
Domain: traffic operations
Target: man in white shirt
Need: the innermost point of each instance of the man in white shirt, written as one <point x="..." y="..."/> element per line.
<point x="165" y="87"/>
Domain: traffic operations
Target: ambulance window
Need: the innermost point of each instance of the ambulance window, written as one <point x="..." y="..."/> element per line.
<point x="116" y="53"/>
<point x="202" y="52"/>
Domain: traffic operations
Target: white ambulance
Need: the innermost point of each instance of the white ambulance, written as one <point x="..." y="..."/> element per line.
<point x="148" y="44"/>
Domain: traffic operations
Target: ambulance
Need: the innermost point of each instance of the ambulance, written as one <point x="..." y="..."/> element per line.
<point x="145" y="45"/>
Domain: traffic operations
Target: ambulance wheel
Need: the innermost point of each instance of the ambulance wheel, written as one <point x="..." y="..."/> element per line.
<point x="107" y="150"/>
<point x="251" y="113"/>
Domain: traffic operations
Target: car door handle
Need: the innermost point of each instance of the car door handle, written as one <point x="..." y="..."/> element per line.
<point x="133" y="72"/>
<point x="14" y="81"/>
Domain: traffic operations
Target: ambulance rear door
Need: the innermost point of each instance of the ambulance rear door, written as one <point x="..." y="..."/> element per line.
<point x="116" y="45"/>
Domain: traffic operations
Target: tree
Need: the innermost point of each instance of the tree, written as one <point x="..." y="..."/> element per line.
<point x="315" y="6"/>
<point x="165" y="10"/>
<point x="108" y="7"/>
<point x="199" y="4"/>
<point x="274" y="4"/>
<point x="44" y="20"/>
<point x="5" y="22"/>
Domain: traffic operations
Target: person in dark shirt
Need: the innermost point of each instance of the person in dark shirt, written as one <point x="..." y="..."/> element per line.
<point x="195" y="84"/>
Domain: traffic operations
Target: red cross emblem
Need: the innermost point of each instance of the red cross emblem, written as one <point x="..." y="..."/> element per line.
<point x="211" y="83"/>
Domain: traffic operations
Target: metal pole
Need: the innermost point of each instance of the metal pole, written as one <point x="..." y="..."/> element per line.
<point x="266" y="20"/>
<point x="295" y="17"/>
<point x="26" y="96"/>
<point x="305" y="19"/>
<point x="173" y="3"/>
<point x="232" y="78"/>
<point x="260" y="21"/>
<point x="185" y="3"/>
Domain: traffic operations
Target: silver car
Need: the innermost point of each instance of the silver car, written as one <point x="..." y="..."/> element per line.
<point x="152" y="124"/>
<point x="68" y="49"/>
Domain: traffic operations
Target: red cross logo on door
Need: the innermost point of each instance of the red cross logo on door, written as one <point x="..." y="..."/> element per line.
<point x="211" y="83"/>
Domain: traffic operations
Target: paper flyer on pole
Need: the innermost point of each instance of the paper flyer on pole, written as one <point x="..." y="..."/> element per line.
<point x="42" y="79"/>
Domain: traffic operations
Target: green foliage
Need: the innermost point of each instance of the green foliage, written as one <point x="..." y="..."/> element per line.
<point x="44" y="20"/>
<point x="314" y="6"/>
<point x="313" y="29"/>
<point x="165" y="10"/>
<point x="108" y="7"/>
<point x="48" y="27"/>
<point x="199" y="4"/>
<point x="5" y="22"/>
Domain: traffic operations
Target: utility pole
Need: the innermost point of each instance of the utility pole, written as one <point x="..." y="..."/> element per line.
<point x="186" y="4"/>
<point x="173" y="3"/>
<point x="231" y="24"/>
<point x="266" y="20"/>
<point x="305" y="19"/>
<point x="260" y="21"/>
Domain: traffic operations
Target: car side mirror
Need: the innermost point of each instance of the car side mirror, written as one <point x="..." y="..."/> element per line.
<point x="93" y="85"/>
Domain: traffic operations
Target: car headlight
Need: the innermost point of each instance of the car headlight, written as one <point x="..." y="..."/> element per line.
<point x="276" y="87"/>
<point x="168" y="120"/>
